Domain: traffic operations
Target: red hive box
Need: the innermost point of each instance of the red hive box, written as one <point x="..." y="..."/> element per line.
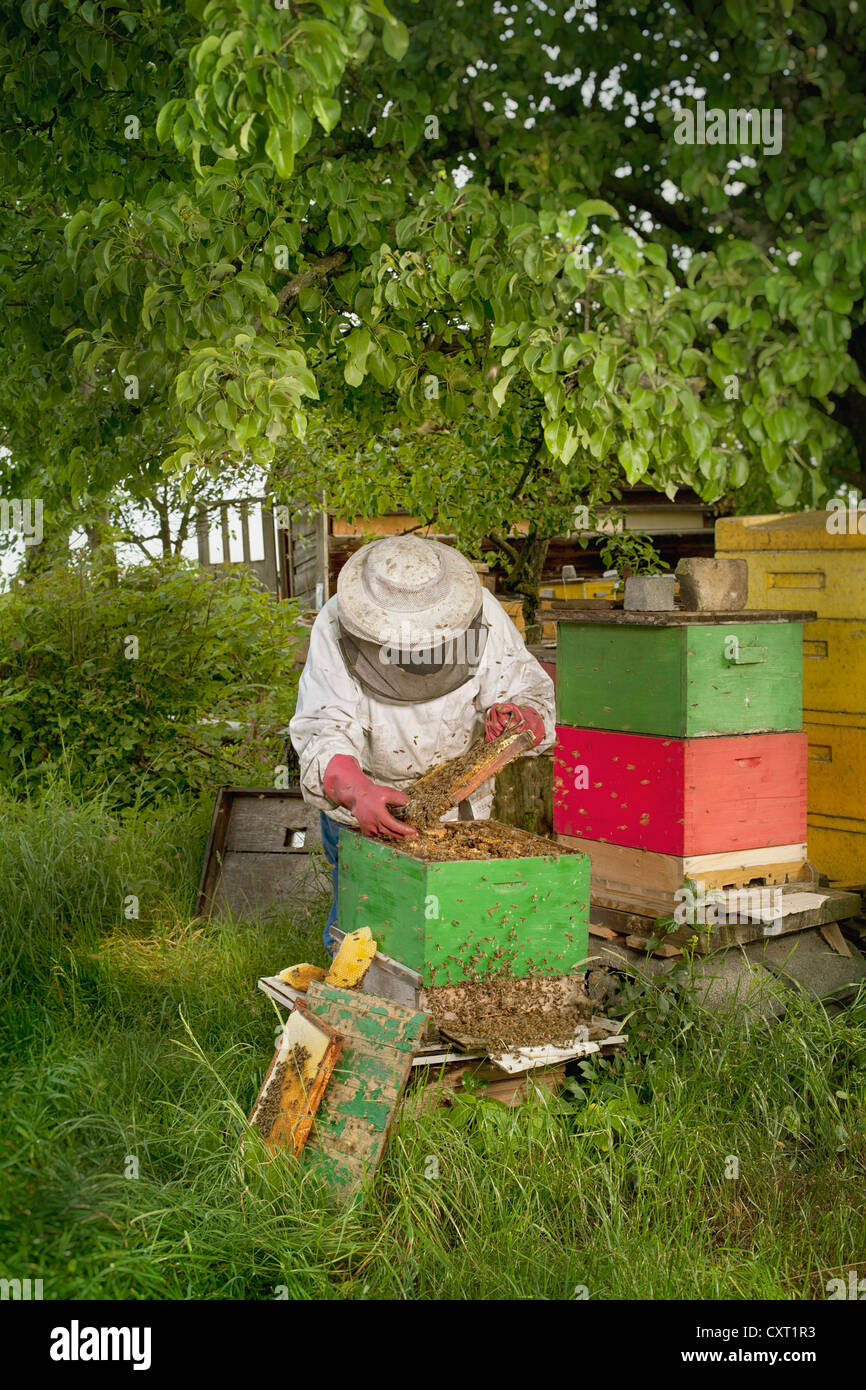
<point x="680" y="796"/>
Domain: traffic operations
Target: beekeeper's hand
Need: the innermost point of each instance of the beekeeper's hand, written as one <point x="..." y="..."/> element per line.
<point x="346" y="785"/>
<point x="519" y="716"/>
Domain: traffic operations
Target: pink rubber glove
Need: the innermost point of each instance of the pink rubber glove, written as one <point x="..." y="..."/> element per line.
<point x="519" y="717"/>
<point x="346" y="785"/>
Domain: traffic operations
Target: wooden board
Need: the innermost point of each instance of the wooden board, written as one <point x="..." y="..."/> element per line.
<point x="832" y="583"/>
<point x="837" y="762"/>
<point x="680" y="679"/>
<point x="680" y="617"/>
<point x="839" y="847"/>
<point x="642" y="881"/>
<point x="445" y="919"/>
<point x="834" y="665"/>
<point x="524" y="794"/>
<point x="777" y="531"/>
<point x="802" y="911"/>
<point x="680" y="796"/>
<point x="261" y="853"/>
<point x="440" y="1085"/>
<point x="354" y="1117"/>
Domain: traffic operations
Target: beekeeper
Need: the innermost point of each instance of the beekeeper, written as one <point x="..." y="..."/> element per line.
<point x="408" y="664"/>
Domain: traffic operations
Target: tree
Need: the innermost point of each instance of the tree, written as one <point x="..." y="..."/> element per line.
<point x="479" y="225"/>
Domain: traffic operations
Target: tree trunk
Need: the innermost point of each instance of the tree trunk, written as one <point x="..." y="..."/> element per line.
<point x="162" y="512"/>
<point x="102" y="550"/>
<point x="525" y="575"/>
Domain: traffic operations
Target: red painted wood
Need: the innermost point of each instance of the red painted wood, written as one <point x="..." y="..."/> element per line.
<point x="680" y="796"/>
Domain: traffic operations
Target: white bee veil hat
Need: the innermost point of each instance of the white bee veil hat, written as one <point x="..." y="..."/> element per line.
<point x="407" y="591"/>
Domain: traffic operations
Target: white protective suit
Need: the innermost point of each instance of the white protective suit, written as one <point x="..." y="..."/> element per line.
<point x="395" y="743"/>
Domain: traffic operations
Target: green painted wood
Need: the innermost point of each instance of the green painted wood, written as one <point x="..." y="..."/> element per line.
<point x="743" y="678"/>
<point x="602" y="677"/>
<point x="384" y="890"/>
<point x="350" y="1130"/>
<point x="682" y="681"/>
<point x="450" y="920"/>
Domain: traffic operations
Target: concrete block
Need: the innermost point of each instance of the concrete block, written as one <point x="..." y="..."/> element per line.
<point x="713" y="586"/>
<point x="649" y="593"/>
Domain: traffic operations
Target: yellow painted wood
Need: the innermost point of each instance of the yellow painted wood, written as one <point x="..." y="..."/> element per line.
<point x="837" y="844"/>
<point x="514" y="609"/>
<point x="837" y="764"/>
<point x="802" y="559"/>
<point x="834" y="665"/>
<point x="584" y="588"/>
<point x="833" y="583"/>
<point x="788" y="531"/>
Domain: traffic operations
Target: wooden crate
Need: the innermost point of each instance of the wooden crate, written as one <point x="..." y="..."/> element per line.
<point x="834" y="665"/>
<point x="260" y="853"/>
<point x="685" y="675"/>
<point x="800" y="557"/>
<point x="838" y="847"/>
<point x="837" y="794"/>
<point x="680" y="796"/>
<point x="794" y="558"/>
<point x="641" y="881"/>
<point x="447" y="919"/>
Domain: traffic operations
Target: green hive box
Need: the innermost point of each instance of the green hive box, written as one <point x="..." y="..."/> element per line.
<point x="681" y="680"/>
<point x="449" y="920"/>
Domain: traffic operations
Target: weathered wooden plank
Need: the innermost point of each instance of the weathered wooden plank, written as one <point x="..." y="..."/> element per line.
<point x="272" y="825"/>
<point x="679" y="617"/>
<point x="524" y="794"/>
<point x="254" y="861"/>
<point x="381" y="1039"/>
<point x="746" y="922"/>
<point x="250" y="884"/>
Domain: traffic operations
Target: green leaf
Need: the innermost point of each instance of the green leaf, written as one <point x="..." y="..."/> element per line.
<point x="280" y="151"/>
<point x="597" y="207"/>
<point x="626" y="254"/>
<point x="501" y="387"/>
<point x="395" y="37"/>
<point x="697" y="437"/>
<point x="634" y="459"/>
<point x="326" y="111"/>
<point x="602" y="369"/>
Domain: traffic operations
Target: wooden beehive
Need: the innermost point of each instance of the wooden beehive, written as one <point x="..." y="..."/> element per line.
<point x="819" y="558"/>
<point x="450" y="920"/>
<point x="680" y="796"/>
<point x="681" y="675"/>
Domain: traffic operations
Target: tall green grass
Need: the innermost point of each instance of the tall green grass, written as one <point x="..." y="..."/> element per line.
<point x="133" y="1049"/>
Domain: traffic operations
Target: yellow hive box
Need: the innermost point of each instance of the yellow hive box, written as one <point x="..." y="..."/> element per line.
<point x="817" y="560"/>
<point x="584" y="588"/>
<point x="838" y="846"/>
<point x="837" y="764"/>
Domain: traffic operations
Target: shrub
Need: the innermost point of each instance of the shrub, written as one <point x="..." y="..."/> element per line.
<point x="139" y="684"/>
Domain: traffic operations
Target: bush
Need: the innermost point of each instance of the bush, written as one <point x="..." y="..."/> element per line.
<point x="139" y="684"/>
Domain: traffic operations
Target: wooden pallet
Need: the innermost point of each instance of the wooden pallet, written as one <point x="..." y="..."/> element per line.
<point x="800" y="911"/>
<point x="646" y="882"/>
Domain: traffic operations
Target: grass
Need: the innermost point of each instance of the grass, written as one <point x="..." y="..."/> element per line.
<point x="133" y="1049"/>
